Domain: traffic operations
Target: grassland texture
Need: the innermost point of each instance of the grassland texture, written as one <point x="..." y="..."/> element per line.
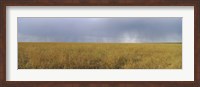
<point x="99" y="56"/>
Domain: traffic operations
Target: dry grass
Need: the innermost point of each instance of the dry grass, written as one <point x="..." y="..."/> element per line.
<point x="99" y="56"/>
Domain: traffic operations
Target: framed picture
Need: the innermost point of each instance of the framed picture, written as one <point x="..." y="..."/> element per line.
<point x="93" y="43"/>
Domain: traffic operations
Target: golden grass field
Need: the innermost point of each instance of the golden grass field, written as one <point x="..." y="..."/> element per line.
<point x="32" y="55"/>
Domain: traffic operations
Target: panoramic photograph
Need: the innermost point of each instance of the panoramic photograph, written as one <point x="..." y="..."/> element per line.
<point x="99" y="42"/>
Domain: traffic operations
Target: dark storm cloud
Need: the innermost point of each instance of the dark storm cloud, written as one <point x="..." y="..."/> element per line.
<point x="151" y="29"/>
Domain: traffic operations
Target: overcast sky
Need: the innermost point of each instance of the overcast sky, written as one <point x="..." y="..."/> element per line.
<point x="116" y="30"/>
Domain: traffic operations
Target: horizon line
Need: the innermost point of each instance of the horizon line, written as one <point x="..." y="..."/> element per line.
<point x="99" y="42"/>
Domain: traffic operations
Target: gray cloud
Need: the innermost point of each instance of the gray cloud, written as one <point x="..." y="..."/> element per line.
<point x="125" y="29"/>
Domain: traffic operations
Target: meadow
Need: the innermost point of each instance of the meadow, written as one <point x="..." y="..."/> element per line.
<point x="33" y="55"/>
